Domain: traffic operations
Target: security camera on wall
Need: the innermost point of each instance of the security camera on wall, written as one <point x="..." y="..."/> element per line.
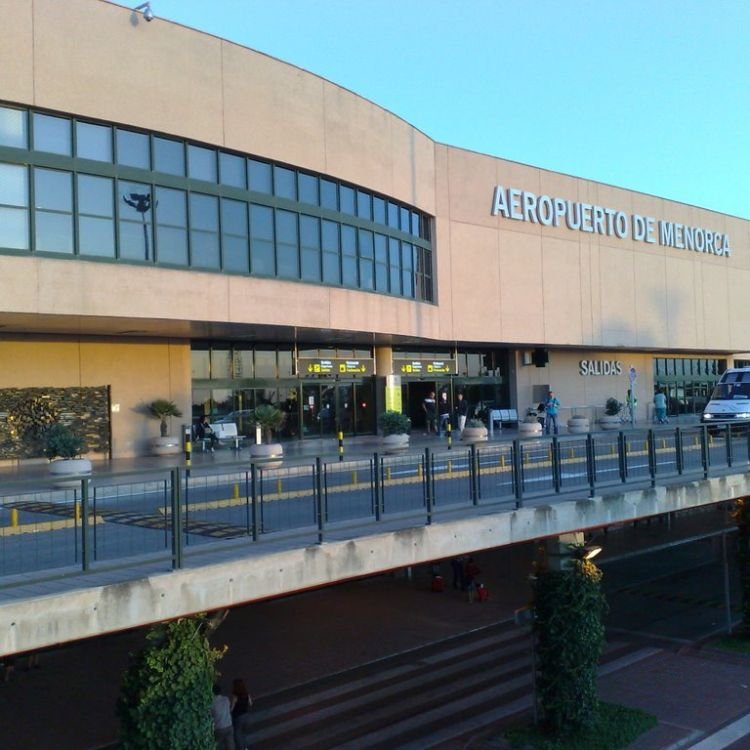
<point x="540" y="357"/>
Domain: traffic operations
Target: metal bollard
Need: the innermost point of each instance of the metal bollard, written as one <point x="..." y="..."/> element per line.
<point x="341" y="445"/>
<point x="449" y="435"/>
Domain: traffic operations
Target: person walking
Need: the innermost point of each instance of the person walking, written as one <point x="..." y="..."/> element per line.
<point x="551" y="408"/>
<point x="222" y="716"/>
<point x="444" y="413"/>
<point x="430" y="410"/>
<point x="462" y="411"/>
<point x="240" y="704"/>
<point x="660" y="407"/>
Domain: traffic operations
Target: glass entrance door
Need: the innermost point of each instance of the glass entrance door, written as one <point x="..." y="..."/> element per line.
<point x="330" y="407"/>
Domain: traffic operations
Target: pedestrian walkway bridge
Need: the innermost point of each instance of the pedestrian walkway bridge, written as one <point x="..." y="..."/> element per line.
<point x="131" y="546"/>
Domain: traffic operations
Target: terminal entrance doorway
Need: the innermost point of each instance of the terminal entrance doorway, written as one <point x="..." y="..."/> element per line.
<point x="330" y="407"/>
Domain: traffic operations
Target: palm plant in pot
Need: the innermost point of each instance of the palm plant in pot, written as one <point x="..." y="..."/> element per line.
<point x="270" y="419"/>
<point x="166" y="444"/>
<point x="611" y="418"/>
<point x="395" y="428"/>
<point x="63" y="447"/>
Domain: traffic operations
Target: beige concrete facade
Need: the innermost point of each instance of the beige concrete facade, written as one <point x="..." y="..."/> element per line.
<point x="498" y="281"/>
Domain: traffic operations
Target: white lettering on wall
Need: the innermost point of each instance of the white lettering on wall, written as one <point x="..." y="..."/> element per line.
<point x="523" y="205"/>
<point x="600" y="367"/>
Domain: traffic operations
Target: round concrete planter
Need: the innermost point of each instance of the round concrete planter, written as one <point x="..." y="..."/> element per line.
<point x="266" y="451"/>
<point x="70" y="471"/>
<point x="529" y="429"/>
<point x="578" y="425"/>
<point x="169" y="445"/>
<point x="474" y="435"/>
<point x="395" y="443"/>
<point x="610" y="422"/>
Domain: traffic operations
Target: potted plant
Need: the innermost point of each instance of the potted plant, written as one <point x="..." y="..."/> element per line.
<point x="165" y="444"/>
<point x="611" y="418"/>
<point x="578" y="423"/>
<point x="474" y="431"/>
<point x="531" y="426"/>
<point x="395" y="428"/>
<point x="63" y="447"/>
<point x="269" y="418"/>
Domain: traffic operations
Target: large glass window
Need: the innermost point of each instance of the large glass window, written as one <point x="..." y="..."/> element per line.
<point x="204" y="231"/>
<point x="14" y="207"/>
<point x="93" y="141"/>
<point x="394" y="264"/>
<point x="349" y="256"/>
<point x="364" y="205"/>
<point x="132" y="149"/>
<point x="259" y="176"/>
<point x="53" y="210"/>
<point x="262" y="260"/>
<point x="13" y="128"/>
<point x="284" y="184"/>
<point x="234" y="238"/>
<point x="171" y="226"/>
<point x="347" y="200"/>
<point x="169" y="156"/>
<point x="232" y="170"/>
<point x="366" y="260"/>
<point x="287" y="245"/>
<point x="308" y="189"/>
<point x="309" y="231"/>
<point x="329" y="194"/>
<point x="96" y="224"/>
<point x="135" y="225"/>
<point x="407" y="269"/>
<point x="201" y="163"/>
<point x="331" y="252"/>
<point x="52" y="134"/>
<point x="381" y="263"/>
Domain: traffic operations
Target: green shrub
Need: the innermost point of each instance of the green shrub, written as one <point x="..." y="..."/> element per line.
<point x="394" y="423"/>
<point x="269" y="418"/>
<point x="161" y="409"/>
<point x="612" y="407"/>
<point x="166" y="692"/>
<point x="63" y="442"/>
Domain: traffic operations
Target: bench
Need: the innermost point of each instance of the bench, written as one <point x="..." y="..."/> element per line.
<point x="226" y="432"/>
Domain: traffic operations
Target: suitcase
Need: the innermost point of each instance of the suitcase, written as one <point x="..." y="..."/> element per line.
<point x="437" y="583"/>
<point x="482" y="593"/>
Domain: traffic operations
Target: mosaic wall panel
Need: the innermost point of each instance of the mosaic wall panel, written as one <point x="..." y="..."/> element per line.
<point x="26" y="413"/>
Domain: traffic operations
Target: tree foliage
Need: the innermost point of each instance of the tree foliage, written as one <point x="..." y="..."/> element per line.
<point x="166" y="692"/>
<point x="569" y="635"/>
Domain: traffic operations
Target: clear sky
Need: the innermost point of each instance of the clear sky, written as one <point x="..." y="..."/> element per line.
<point x="649" y="95"/>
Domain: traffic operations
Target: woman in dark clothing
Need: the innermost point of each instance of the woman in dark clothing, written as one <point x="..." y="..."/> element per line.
<point x="240" y="703"/>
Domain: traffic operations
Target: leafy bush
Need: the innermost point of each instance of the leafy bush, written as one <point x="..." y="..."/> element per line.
<point x="394" y="423"/>
<point x="269" y="418"/>
<point x="161" y="409"/>
<point x="63" y="442"/>
<point x="612" y="407"/>
<point x="166" y="692"/>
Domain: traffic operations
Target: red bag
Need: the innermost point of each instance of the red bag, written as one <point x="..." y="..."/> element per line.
<point x="437" y="583"/>
<point x="482" y="593"/>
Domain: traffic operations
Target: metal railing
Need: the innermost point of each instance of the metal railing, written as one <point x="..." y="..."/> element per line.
<point x="127" y="518"/>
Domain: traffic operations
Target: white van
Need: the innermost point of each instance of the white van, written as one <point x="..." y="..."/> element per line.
<point x="730" y="399"/>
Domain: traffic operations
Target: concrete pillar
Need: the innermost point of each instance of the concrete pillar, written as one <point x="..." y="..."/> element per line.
<point x="557" y="549"/>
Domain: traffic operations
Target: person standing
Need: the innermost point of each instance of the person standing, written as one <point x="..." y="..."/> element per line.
<point x="240" y="703"/>
<point x="444" y="413"/>
<point x="551" y="409"/>
<point x="430" y="408"/>
<point x="660" y="407"/>
<point x="462" y="411"/>
<point x="222" y="716"/>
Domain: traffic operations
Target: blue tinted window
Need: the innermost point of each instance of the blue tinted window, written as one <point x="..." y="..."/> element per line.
<point x="13" y="128"/>
<point x="93" y="141"/>
<point x="309" y="232"/>
<point x="169" y="156"/>
<point x="364" y="205"/>
<point x="378" y="210"/>
<point x="330" y="243"/>
<point x="349" y="256"/>
<point x="308" y="189"/>
<point x="346" y="198"/>
<point x="284" y="184"/>
<point x="259" y="176"/>
<point x="135" y="225"/>
<point x="201" y="163"/>
<point x="232" y="170"/>
<point x="52" y="134"/>
<point x="171" y="226"/>
<point x="53" y="217"/>
<point x="287" y="253"/>
<point x="14" y="201"/>
<point x="392" y="215"/>
<point x="53" y="190"/>
<point x="132" y="149"/>
<point x="204" y="231"/>
<point x="96" y="226"/>
<point x="261" y="241"/>
<point x="329" y="194"/>
<point x="234" y="238"/>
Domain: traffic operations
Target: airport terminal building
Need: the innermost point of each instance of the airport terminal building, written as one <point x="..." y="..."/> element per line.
<point x="188" y="219"/>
